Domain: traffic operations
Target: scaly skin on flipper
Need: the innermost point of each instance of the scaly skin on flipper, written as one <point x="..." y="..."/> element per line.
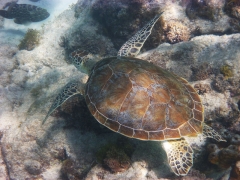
<point x="133" y="46"/>
<point x="180" y="156"/>
<point x="71" y="89"/>
<point x="211" y="133"/>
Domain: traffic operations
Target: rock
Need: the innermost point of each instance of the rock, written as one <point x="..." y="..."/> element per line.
<point x="211" y="9"/>
<point x="3" y="168"/>
<point x="32" y="167"/>
<point x="130" y="14"/>
<point x="202" y="88"/>
<point x="224" y="157"/>
<point x="137" y="171"/>
<point x="236" y="171"/>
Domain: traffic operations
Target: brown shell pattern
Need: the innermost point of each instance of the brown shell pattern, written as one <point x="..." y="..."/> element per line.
<point x="143" y="101"/>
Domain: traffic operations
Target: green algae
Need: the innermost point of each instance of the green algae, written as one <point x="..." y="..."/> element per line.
<point x="226" y="71"/>
<point x="30" y="40"/>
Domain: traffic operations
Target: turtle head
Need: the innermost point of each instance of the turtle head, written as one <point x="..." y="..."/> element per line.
<point x="83" y="60"/>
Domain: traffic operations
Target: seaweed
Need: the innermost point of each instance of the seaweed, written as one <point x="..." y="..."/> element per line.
<point x="226" y="71"/>
<point x="30" y="40"/>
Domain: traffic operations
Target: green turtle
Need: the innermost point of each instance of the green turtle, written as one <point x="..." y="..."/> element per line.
<point x="140" y="100"/>
<point x="24" y="13"/>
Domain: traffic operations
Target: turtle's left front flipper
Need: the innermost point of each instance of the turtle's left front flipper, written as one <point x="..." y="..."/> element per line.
<point x="133" y="46"/>
<point x="180" y="156"/>
<point x="71" y="89"/>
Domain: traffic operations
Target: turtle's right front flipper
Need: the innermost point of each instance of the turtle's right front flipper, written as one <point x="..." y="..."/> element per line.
<point x="71" y="89"/>
<point x="133" y="46"/>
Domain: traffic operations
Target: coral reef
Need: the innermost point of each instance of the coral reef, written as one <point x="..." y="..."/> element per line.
<point x="202" y="88"/>
<point x="7" y="65"/>
<point x="219" y="159"/>
<point x="116" y="157"/>
<point x="174" y="31"/>
<point x="196" y="175"/>
<point x="235" y="24"/>
<point x="220" y="84"/>
<point x="121" y="19"/>
<point x="224" y="80"/>
<point x="235" y="174"/>
<point x="232" y="8"/>
<point x="4" y="174"/>
<point x="224" y="157"/>
<point x="236" y="12"/>
<point x="235" y="139"/>
<point x="201" y="72"/>
<point x="63" y="42"/>
<point x="30" y="40"/>
<point x="206" y="9"/>
<point x="33" y="167"/>
<point x="116" y="160"/>
<point x="70" y="170"/>
<point x="89" y="37"/>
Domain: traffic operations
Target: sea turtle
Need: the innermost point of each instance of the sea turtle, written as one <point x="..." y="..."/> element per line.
<point x="141" y="100"/>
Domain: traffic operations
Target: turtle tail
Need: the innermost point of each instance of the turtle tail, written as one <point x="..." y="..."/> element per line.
<point x="5" y="14"/>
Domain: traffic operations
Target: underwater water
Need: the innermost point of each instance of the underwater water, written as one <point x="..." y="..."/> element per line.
<point x="48" y="44"/>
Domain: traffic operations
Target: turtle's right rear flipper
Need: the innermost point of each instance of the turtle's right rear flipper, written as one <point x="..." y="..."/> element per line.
<point x="69" y="90"/>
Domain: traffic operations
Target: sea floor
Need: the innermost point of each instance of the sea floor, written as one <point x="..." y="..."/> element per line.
<point x="72" y="144"/>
